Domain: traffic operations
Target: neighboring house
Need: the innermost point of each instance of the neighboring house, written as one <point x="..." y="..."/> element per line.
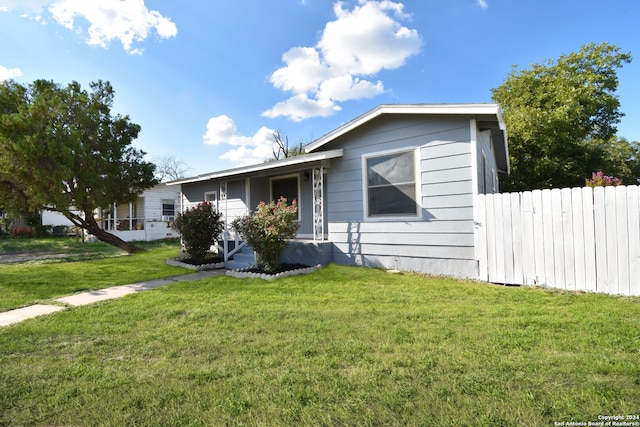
<point x="148" y="218"/>
<point x="393" y="188"/>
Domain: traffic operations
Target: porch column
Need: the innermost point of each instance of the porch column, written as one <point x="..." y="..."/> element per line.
<point x="115" y="217"/>
<point x="130" y="216"/>
<point x="318" y="203"/>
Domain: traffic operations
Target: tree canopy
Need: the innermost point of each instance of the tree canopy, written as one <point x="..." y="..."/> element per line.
<point x="561" y="120"/>
<point x="62" y="150"/>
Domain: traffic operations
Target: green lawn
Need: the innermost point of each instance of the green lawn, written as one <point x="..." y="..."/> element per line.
<point x="342" y="346"/>
<point x="93" y="266"/>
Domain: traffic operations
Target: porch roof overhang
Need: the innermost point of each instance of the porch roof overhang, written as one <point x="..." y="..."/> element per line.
<point x="304" y="159"/>
<point x="488" y="114"/>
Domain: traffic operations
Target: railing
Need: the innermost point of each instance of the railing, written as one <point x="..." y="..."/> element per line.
<point x="239" y="244"/>
<point x="124" y="224"/>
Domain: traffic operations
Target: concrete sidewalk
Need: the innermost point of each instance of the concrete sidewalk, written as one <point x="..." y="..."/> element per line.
<point x="18" y="315"/>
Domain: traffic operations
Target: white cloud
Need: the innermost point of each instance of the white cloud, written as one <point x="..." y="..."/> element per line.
<point x="251" y="149"/>
<point x="358" y="44"/>
<point x="129" y="21"/>
<point x="9" y="73"/>
<point x="126" y="20"/>
<point x="483" y="4"/>
<point x="300" y="107"/>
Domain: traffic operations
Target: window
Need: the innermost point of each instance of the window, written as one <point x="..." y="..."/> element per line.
<point x="212" y="197"/>
<point x="287" y="187"/>
<point x="168" y="210"/>
<point x="391" y="185"/>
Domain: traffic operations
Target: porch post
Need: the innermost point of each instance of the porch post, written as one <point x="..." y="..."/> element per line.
<point x="318" y="203"/>
<point x="130" y="216"/>
<point x="225" y="232"/>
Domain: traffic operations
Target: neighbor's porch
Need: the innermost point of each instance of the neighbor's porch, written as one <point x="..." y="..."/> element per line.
<point x="130" y="223"/>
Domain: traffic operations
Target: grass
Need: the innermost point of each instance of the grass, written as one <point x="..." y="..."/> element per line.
<point x="71" y="245"/>
<point x="342" y="346"/>
<point x="89" y="266"/>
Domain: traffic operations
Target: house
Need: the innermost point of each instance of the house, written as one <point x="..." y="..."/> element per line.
<point x="148" y="218"/>
<point x="393" y="188"/>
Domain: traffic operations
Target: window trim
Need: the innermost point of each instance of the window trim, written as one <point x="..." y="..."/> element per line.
<point x="416" y="180"/>
<point x="288" y="176"/>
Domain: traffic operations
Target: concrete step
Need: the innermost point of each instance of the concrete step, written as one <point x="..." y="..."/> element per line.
<point x="243" y="259"/>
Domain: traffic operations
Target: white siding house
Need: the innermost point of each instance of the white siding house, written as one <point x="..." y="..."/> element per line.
<point x="148" y="218"/>
<point x="393" y="188"/>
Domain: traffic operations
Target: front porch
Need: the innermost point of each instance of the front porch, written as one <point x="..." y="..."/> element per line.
<point x="236" y="192"/>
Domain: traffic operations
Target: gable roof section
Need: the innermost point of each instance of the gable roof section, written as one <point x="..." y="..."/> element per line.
<point x="245" y="170"/>
<point x="488" y="114"/>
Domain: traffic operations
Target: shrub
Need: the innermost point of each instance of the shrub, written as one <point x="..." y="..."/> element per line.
<point x="199" y="227"/>
<point x="268" y="229"/>
<point x="598" y="179"/>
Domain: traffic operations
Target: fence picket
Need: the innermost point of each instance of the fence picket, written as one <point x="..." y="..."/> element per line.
<point x="568" y="240"/>
<point x="528" y="243"/>
<point x="481" y="237"/>
<point x="622" y="240"/>
<point x="611" y="226"/>
<point x="633" y="217"/>
<point x="538" y="237"/>
<point x="516" y="238"/>
<point x="600" y="229"/>
<point x="491" y="238"/>
<point x="579" y="264"/>
<point x="589" y="239"/>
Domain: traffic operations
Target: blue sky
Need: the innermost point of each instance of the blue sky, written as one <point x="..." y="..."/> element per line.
<point x="210" y="81"/>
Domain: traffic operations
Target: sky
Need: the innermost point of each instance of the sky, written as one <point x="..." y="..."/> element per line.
<point x="210" y="82"/>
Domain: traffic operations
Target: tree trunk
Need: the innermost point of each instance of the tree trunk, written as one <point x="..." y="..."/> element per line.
<point x="89" y="223"/>
<point x="93" y="228"/>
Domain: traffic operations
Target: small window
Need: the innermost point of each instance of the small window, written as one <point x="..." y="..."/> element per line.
<point x="391" y="185"/>
<point x="212" y="197"/>
<point x="168" y="208"/>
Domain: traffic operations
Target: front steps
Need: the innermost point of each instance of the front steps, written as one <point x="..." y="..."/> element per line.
<point x="246" y="257"/>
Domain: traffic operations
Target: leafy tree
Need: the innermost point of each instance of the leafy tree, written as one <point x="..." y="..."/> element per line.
<point x="61" y="149"/>
<point x="199" y="227"/>
<point x="561" y="118"/>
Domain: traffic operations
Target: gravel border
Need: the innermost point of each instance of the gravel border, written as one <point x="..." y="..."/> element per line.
<point x="176" y="262"/>
<point x="244" y="273"/>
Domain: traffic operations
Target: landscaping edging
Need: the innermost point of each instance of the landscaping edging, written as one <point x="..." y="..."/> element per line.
<point x="176" y="262"/>
<point x="244" y="273"/>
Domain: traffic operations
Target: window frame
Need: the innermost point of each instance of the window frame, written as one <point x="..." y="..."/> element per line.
<point x="415" y="151"/>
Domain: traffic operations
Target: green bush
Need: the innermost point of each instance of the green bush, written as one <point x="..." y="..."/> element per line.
<point x="268" y="230"/>
<point x="199" y="227"/>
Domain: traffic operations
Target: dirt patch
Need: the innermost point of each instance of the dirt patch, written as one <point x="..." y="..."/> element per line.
<point x="13" y="257"/>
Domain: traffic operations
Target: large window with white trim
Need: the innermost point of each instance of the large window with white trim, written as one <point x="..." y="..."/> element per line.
<point x="391" y="185"/>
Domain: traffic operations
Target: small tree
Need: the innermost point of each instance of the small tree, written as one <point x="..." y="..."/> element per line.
<point x="268" y="230"/>
<point x="199" y="227"/>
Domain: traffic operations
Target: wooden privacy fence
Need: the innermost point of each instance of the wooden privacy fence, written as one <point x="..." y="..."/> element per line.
<point x="572" y="238"/>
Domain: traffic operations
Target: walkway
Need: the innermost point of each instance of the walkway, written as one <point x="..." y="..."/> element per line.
<point x="18" y="315"/>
